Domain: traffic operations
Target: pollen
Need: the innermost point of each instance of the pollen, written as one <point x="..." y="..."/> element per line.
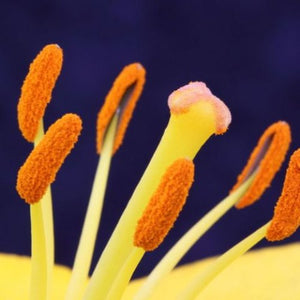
<point x="266" y="158"/>
<point x="123" y="95"/>
<point x="41" y="166"/>
<point x="181" y="100"/>
<point x="37" y="89"/>
<point x="286" y="219"/>
<point x="165" y="205"/>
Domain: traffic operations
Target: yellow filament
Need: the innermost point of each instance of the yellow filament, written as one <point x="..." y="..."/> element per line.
<point x="42" y="243"/>
<point x="47" y="213"/>
<point x="38" y="284"/>
<point x="125" y="274"/>
<point x="202" y="280"/>
<point x="92" y="219"/>
<point x="174" y="255"/>
<point x="183" y="137"/>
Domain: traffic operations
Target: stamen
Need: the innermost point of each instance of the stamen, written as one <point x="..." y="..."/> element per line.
<point x="286" y="219"/>
<point x="127" y="89"/>
<point x="37" y="89"/>
<point x="112" y="122"/>
<point x="266" y="159"/>
<point x="41" y="166"/>
<point x="157" y="219"/>
<point x="165" y="205"/>
<point x="184" y="136"/>
<point x="35" y="94"/>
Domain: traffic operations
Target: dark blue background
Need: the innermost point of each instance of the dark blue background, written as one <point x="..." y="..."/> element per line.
<point x="246" y="51"/>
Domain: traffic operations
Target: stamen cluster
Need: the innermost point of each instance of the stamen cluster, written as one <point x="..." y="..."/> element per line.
<point x="195" y="115"/>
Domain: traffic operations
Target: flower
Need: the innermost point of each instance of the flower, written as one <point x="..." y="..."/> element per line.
<point x="195" y="114"/>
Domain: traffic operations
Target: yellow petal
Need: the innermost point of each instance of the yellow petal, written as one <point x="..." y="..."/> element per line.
<point x="269" y="273"/>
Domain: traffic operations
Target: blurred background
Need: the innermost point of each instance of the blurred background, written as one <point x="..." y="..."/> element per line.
<point x="248" y="54"/>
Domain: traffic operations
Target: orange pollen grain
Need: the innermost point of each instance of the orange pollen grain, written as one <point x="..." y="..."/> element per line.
<point x="37" y="89"/>
<point x="165" y="205"/>
<point x="41" y="166"/>
<point x="124" y="94"/>
<point x="286" y="219"/>
<point x="266" y="158"/>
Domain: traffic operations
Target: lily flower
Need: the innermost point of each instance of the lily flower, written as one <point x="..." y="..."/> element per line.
<point x="195" y="115"/>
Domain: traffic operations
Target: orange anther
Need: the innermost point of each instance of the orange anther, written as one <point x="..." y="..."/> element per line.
<point x="41" y="166"/>
<point x="165" y="205"/>
<point x="125" y="92"/>
<point x="37" y="89"/>
<point x="286" y="219"/>
<point x="266" y="159"/>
